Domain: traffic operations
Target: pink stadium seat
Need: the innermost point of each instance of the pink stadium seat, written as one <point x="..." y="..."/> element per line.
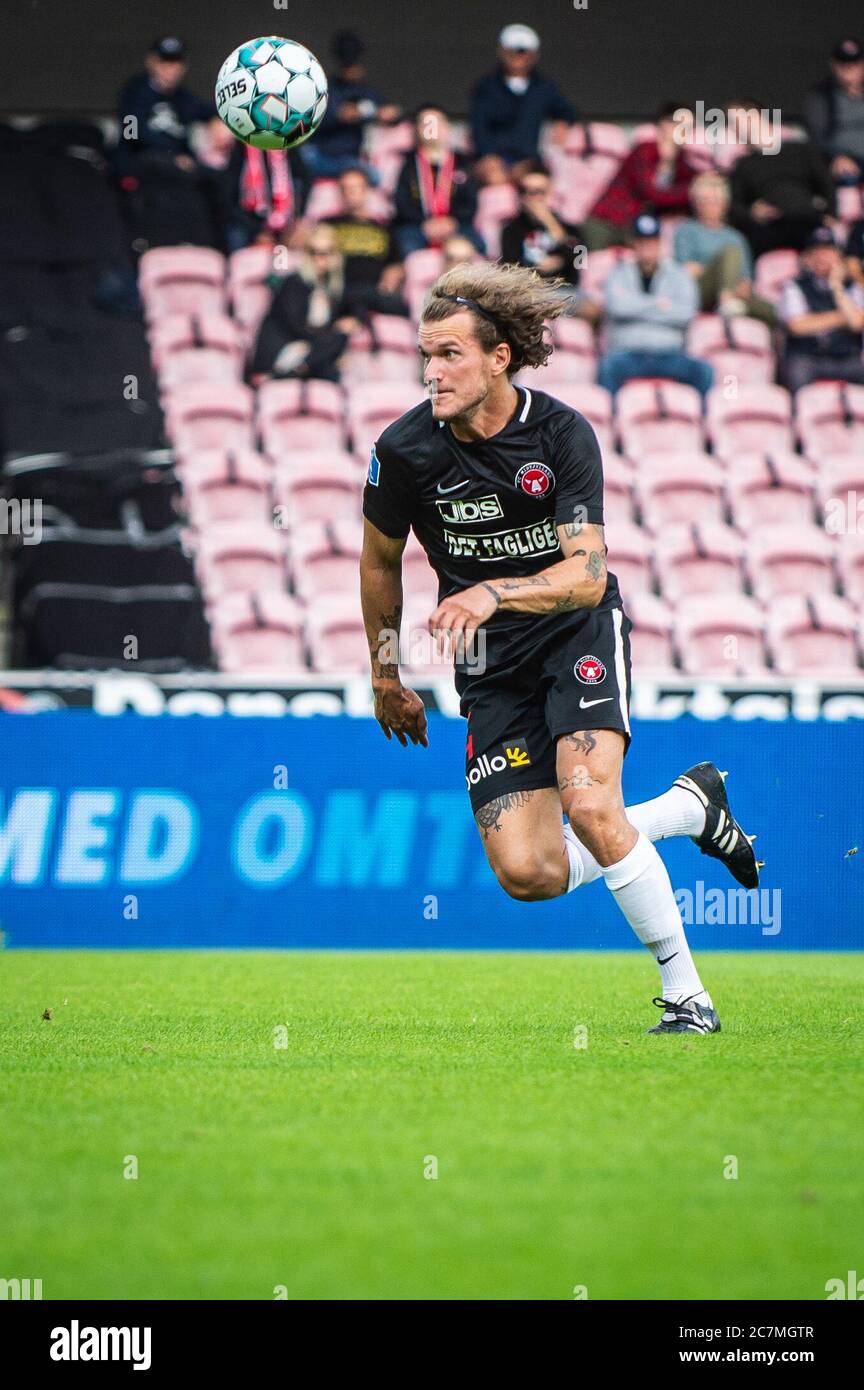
<point x="584" y="167"/>
<point x="240" y="557"/>
<point x="327" y="491"/>
<point x="258" y="632"/>
<point x="592" y="401"/>
<point x="385" y="351"/>
<point x="829" y="418"/>
<point x="768" y="488"/>
<point x="756" y="419"/>
<point x="422" y="269"/>
<point x="651" y="646"/>
<point x="226" y="486"/>
<point x="386" y="148"/>
<point x="720" y="635"/>
<point x="813" y="635"/>
<point x="850" y="563"/>
<point x="630" y="559"/>
<point x="654" y="416"/>
<point x="247" y="272"/>
<point x="297" y="415"/>
<point x="207" y="415"/>
<point x="670" y="490"/>
<point x="419" y="580"/>
<point x="703" y="558"/>
<point x="324" y="200"/>
<point x="790" y="560"/>
<point x="850" y="204"/>
<point x="574" y="358"/>
<point x="773" y="269"/>
<point x="182" y="280"/>
<point x="324" y="559"/>
<point x="496" y="204"/>
<point x="336" y="636"/>
<point x="598" y="267"/>
<point x="840" y="492"/>
<point x="311" y="463"/>
<point x="740" y="348"/>
<point x="199" y="347"/>
<point x="618" y="478"/>
<point x="372" y="407"/>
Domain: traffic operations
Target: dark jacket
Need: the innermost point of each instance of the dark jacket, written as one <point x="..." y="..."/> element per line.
<point x="525" y="241"/>
<point x="796" y="180"/>
<point x="507" y="124"/>
<point x="343" y="139"/>
<point x="163" y="120"/>
<point x="286" y="321"/>
<point x="820" y="116"/>
<point x="463" y="195"/>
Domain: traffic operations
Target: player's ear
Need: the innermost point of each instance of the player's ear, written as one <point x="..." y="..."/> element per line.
<point x="501" y="358"/>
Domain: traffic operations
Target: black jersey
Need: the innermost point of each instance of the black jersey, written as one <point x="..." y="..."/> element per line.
<point x="488" y="509"/>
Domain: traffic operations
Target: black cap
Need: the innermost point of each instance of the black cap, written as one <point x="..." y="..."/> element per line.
<point x="169" y="47"/>
<point x="820" y="236"/>
<point x="847" y="51"/>
<point x="646" y="225"/>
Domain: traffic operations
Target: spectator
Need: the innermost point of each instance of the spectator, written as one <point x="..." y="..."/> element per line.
<point x="716" y="255"/>
<point x="539" y="238"/>
<point x="352" y="104"/>
<point x="510" y="105"/>
<point x="655" y="177"/>
<point x="781" y="190"/>
<point x="823" y="313"/>
<point x="649" y="304"/>
<point x="436" y="195"/>
<point x="458" y="250"/>
<point x="263" y="191"/>
<point x="855" y="252"/>
<point x="373" y="269"/>
<point x="834" y="113"/>
<point x="308" y="324"/>
<point x="171" y="196"/>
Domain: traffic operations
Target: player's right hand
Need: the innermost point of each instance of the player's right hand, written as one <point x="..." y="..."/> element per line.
<point x="400" y="711"/>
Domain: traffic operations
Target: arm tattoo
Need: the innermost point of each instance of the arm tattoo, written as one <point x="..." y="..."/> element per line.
<point x="581" y="777"/>
<point x="583" y="743"/>
<point x="488" y="818"/>
<point x="595" y="565"/>
<point x="389" y="630"/>
<point x="572" y="529"/>
<point x="527" y="582"/>
<point x="494" y="592"/>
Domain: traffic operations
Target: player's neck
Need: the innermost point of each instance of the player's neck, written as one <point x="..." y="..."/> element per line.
<point x="494" y="412"/>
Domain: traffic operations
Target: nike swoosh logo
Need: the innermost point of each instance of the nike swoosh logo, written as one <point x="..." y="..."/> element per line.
<point x="455" y="487"/>
<point x="667" y="959"/>
<point x="586" y="704"/>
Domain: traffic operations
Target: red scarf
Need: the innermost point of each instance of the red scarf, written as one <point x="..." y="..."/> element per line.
<point x="435" y="193"/>
<point x="254" y="197"/>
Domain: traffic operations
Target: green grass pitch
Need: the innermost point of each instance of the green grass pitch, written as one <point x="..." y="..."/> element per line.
<point x="303" y="1165"/>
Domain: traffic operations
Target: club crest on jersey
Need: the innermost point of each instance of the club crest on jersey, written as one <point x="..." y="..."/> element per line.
<point x="535" y="479"/>
<point x="374" y="467"/>
<point x="589" y="670"/>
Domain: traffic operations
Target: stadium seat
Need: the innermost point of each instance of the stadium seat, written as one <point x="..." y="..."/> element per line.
<point x="772" y="270"/>
<point x="629" y="559"/>
<point x="422" y="269"/>
<point x="196" y="347"/>
<point x="327" y="490"/>
<point x="720" y="635"/>
<point x="654" y="416"/>
<point x="767" y="488"/>
<point x="739" y="348"/>
<point x="702" y="558"/>
<point x="250" y="296"/>
<point x="790" y="560"/>
<point x="372" y="407"/>
<point x="385" y="350"/>
<point x="182" y="280"/>
<point x="813" y="635"/>
<point x="598" y="267"/>
<point x="324" y="558"/>
<point x="208" y="415"/>
<point x="386" y="147"/>
<point x="756" y="419"/>
<point x="583" y="168"/>
<point x="651" y="646"/>
<point x="840" y="492"/>
<point x="297" y="415"/>
<point x="592" y="401"/>
<point x="829" y="418"/>
<point x="671" y="490"/>
<point x="324" y="200"/>
<point x="419" y="580"/>
<point x="335" y="636"/>
<point x="222" y="485"/>
<point x="618" y="479"/>
<point x="258" y="632"/>
<point x="497" y="203"/>
<point x="850" y="564"/>
<point x="240" y="557"/>
<point x="574" y="359"/>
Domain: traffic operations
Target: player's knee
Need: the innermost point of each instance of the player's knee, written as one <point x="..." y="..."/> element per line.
<point x="592" y="810"/>
<point x="529" y="878"/>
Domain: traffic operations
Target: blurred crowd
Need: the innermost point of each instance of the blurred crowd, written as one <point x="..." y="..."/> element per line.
<point x="687" y="221"/>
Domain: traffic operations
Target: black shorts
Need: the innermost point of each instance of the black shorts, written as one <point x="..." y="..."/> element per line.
<point x="576" y="679"/>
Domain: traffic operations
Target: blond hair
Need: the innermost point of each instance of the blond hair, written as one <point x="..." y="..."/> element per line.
<point x="517" y="300"/>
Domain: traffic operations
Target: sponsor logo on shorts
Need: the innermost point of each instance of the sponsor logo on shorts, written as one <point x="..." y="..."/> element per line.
<point x="468" y="509"/>
<point x="589" y="670"/>
<point x="536" y="479"/>
<point x="514" y="754"/>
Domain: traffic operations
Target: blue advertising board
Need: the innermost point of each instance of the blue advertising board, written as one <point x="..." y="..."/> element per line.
<point x="317" y="832"/>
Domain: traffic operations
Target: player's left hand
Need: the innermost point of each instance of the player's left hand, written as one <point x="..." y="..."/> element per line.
<point x="459" y="616"/>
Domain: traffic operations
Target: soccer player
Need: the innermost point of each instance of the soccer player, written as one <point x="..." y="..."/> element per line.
<point x="503" y="487"/>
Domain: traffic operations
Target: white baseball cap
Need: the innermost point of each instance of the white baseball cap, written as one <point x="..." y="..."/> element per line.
<point x="519" y="36"/>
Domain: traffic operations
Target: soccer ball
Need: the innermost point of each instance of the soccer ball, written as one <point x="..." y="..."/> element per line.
<point x="271" y="93"/>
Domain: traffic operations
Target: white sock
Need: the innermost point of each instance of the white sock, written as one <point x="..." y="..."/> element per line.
<point x="573" y="848"/>
<point x="675" y="812"/>
<point x="679" y="978"/>
<point x="641" y="887"/>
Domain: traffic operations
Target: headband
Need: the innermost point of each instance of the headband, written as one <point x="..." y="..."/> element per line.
<point x="484" y="313"/>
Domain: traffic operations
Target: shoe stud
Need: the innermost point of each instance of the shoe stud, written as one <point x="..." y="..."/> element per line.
<point x="724" y="775"/>
<point x="749" y="839"/>
<point x="760" y="863"/>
